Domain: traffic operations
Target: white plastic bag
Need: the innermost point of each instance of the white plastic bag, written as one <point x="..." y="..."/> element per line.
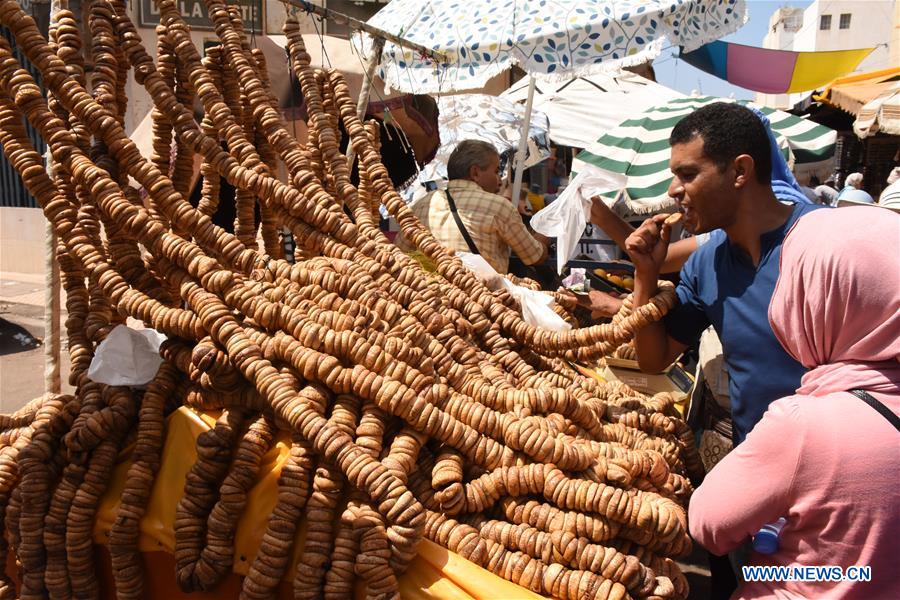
<point x="566" y="217"/>
<point x="536" y="307"/>
<point x="481" y="268"/>
<point x="127" y="357"/>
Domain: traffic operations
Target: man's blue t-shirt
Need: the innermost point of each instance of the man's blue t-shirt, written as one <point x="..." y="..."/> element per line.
<point x="721" y="287"/>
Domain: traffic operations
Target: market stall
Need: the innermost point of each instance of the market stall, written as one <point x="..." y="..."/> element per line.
<point x="863" y="108"/>
<point x="548" y="40"/>
<point x="491" y="119"/>
<point x="326" y="421"/>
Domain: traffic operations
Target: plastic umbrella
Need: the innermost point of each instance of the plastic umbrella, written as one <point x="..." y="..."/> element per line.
<point x="547" y="38"/>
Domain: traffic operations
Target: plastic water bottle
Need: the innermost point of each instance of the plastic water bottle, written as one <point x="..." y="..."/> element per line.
<point x="766" y="539"/>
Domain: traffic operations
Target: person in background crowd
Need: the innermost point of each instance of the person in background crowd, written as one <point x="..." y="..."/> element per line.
<point x="810" y="190"/>
<point x="811" y="195"/>
<point x="853" y="190"/>
<point x="827" y="192"/>
<point x="890" y="196"/>
<point x="470" y="217"/>
<point x="822" y="459"/>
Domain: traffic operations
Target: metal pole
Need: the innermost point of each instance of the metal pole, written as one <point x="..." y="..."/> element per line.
<point x="523" y="140"/>
<point x="363" y="102"/>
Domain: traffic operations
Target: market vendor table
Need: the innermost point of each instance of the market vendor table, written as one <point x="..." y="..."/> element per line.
<point x="434" y="573"/>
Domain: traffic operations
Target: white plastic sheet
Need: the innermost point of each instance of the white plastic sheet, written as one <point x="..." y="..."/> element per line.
<point x="127" y="357"/>
<point x="535" y="305"/>
<point x="566" y="217"/>
<point x="482" y="269"/>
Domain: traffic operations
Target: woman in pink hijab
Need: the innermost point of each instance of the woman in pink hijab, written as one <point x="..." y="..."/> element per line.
<point x="823" y="459"/>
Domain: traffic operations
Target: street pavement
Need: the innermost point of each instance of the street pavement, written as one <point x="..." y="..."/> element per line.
<point x="21" y="340"/>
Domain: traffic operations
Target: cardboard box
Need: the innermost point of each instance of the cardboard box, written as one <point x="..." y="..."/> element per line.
<point x="675" y="380"/>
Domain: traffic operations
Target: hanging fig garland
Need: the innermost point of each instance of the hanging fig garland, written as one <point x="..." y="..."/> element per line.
<point x="414" y="405"/>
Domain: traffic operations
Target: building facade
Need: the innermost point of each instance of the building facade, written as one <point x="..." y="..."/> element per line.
<point x="835" y="25"/>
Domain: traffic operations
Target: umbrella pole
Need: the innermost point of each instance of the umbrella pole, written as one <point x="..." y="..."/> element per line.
<point x="523" y="140"/>
<point x="51" y="285"/>
<point x="51" y="305"/>
<point x="365" y="90"/>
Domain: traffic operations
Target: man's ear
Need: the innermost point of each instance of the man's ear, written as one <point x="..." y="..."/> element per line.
<point x="744" y="170"/>
<point x="473" y="172"/>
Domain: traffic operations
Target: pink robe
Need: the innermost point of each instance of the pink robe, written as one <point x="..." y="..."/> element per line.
<point x="823" y="459"/>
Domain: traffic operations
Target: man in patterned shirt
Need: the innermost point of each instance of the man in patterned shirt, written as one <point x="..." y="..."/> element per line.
<point x="492" y="221"/>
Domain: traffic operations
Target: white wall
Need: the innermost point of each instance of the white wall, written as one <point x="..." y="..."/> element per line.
<point x="872" y="22"/>
<point x="22" y="233"/>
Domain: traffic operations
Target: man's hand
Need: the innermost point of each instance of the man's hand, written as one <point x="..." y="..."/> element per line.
<point x="599" y="303"/>
<point x="648" y="244"/>
<point x="602" y="304"/>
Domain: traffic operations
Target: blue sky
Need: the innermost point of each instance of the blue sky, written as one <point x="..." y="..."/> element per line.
<point x="679" y="75"/>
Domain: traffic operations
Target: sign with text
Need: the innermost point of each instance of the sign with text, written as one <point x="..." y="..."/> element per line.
<point x="194" y="14"/>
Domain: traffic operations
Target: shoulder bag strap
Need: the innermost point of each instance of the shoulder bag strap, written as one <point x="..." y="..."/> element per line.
<point x="881" y="408"/>
<point x="462" y="228"/>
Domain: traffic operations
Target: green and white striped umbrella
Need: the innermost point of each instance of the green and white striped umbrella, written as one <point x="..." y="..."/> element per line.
<point x="639" y="148"/>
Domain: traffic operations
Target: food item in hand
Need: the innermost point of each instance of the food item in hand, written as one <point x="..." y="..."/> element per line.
<point x="673" y="219"/>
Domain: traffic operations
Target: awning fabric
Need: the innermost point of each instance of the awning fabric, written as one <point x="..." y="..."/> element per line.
<point x="582" y="108"/>
<point x="773" y="71"/>
<point x="639" y="148"/>
<point x="881" y="114"/>
<point x="851" y="93"/>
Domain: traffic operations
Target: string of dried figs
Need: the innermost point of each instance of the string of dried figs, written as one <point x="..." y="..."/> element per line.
<point x="377" y="372"/>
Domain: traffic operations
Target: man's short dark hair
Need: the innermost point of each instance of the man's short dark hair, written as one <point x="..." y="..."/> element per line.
<point x="468" y="154"/>
<point x="728" y="130"/>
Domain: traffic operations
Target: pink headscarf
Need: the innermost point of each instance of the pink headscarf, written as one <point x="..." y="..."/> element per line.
<point x="836" y="306"/>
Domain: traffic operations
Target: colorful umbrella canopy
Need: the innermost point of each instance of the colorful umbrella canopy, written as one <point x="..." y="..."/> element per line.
<point x="639" y="148"/>
<point x="547" y="38"/>
<point x="773" y="71"/>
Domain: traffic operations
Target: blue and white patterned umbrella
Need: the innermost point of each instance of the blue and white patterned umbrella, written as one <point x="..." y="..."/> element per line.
<point x="491" y="119"/>
<point x="546" y="38"/>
